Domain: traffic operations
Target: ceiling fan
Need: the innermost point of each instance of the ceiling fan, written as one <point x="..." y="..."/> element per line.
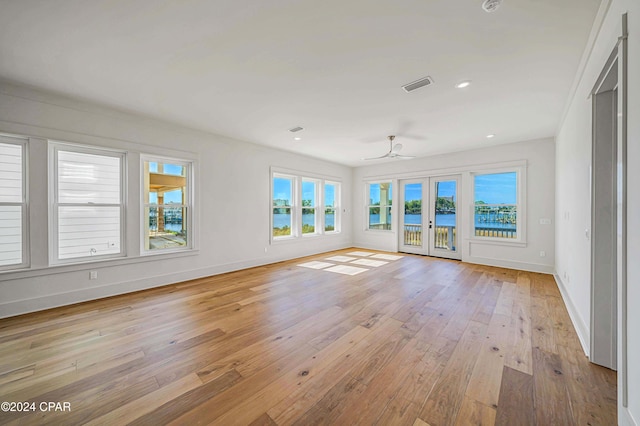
<point x="393" y="151"/>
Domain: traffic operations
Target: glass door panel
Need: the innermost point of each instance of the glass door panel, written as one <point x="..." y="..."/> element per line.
<point x="413" y="214"/>
<point x="412" y="238"/>
<point x="444" y="211"/>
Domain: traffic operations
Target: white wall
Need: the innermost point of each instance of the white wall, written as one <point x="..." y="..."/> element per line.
<point x="538" y="156"/>
<point x="573" y="158"/>
<point x="232" y="185"/>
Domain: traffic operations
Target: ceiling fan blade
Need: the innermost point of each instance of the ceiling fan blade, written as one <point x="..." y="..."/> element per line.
<point x="378" y="158"/>
<point x="404" y="157"/>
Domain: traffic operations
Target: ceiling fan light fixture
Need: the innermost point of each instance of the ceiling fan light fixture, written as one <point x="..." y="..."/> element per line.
<point x="393" y="151"/>
<point x="491" y="5"/>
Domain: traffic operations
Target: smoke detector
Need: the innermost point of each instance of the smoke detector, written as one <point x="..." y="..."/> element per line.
<point x="491" y="5"/>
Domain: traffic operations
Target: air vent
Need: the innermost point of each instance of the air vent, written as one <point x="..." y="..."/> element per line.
<point x="417" y="84"/>
<point x="296" y="129"/>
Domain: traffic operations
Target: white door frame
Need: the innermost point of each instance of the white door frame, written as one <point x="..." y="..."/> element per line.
<point x="427" y="232"/>
<point x="599" y="343"/>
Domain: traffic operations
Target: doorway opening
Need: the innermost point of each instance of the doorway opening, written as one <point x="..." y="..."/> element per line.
<point x="429" y="219"/>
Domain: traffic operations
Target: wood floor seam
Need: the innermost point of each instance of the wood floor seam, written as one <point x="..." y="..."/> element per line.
<point x="413" y="341"/>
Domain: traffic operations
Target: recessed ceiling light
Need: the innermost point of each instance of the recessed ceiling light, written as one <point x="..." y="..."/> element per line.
<point x="297" y="139"/>
<point x="490" y="136"/>
<point x="463" y="84"/>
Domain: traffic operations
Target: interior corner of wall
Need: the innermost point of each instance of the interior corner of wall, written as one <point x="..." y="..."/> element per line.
<point x="582" y="330"/>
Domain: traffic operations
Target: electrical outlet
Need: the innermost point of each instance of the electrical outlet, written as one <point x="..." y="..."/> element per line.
<point x="542" y="253"/>
<point x="545" y="221"/>
<point x="93" y="275"/>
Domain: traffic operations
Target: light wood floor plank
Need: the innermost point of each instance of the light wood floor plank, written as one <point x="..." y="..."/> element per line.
<point x="416" y="341"/>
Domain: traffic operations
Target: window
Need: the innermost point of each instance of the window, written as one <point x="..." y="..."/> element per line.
<point x="296" y="206"/>
<point x="166" y="213"/>
<point x="379" y="208"/>
<point x="88" y="207"/>
<point x="309" y="207"/>
<point x="282" y="206"/>
<point x="13" y="206"/>
<point x="331" y="207"/>
<point x="496" y="205"/>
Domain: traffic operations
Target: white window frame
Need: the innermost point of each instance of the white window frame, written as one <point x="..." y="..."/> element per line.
<point x="54" y="148"/>
<point x="317" y="221"/>
<point x="189" y="203"/>
<point x="369" y="206"/>
<point x="336" y="208"/>
<point x="24" y="204"/>
<point x="520" y="206"/>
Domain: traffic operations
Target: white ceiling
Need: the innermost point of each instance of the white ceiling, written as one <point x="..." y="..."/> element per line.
<point x="253" y="69"/>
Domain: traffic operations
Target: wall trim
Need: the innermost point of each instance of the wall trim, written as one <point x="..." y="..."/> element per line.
<point x="625" y="418"/>
<point x="598" y="22"/>
<point x="475" y="167"/>
<point x="25" y="306"/>
<point x="372" y="246"/>
<point x="578" y="323"/>
<point x="509" y="264"/>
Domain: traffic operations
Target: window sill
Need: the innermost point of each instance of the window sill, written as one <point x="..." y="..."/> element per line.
<point x="279" y="240"/>
<point x="160" y="252"/>
<point x="285" y="240"/>
<point x="498" y="242"/>
<point x="87" y="265"/>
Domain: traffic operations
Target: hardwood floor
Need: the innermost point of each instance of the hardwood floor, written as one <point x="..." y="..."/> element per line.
<point x="412" y="342"/>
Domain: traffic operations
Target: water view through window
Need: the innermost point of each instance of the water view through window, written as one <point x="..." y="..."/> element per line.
<point x="380" y="196"/>
<point x="309" y="197"/>
<point x="282" y="202"/>
<point x="166" y="204"/>
<point x="330" y="206"/>
<point x="495" y="205"/>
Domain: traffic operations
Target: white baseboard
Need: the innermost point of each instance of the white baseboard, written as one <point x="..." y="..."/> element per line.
<point x="509" y="264"/>
<point x="625" y="418"/>
<point x="578" y="323"/>
<point x="370" y="246"/>
<point x="25" y="306"/>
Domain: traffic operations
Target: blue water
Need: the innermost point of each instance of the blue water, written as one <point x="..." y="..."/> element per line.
<point x="450" y="220"/>
<point x="280" y="220"/>
<point x="173" y="227"/>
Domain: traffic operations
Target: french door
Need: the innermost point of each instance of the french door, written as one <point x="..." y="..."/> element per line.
<point x="429" y="217"/>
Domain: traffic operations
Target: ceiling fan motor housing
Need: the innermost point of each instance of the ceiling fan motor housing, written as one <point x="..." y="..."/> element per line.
<point x="491" y="5"/>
